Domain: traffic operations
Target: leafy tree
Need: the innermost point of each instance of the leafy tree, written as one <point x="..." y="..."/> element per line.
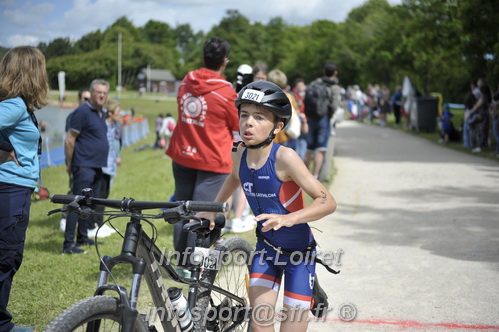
<point x="159" y="33"/>
<point x="480" y="38"/>
<point x="188" y="44"/>
<point x="89" y="42"/>
<point x="441" y="45"/>
<point x="57" y="47"/>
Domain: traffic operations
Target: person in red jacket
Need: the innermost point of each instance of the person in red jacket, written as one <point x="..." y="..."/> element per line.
<point x="201" y="144"/>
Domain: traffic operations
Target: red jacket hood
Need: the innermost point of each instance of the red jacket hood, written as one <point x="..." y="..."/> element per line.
<point x="203" y="81"/>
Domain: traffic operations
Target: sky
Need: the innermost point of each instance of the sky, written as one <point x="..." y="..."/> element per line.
<point x="28" y="22"/>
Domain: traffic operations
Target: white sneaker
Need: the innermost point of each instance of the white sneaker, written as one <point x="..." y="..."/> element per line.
<point x="62" y="225"/>
<point x="476" y="150"/>
<point x="104" y="231"/>
<point x="241" y="226"/>
<point x="250" y="219"/>
<point x="91" y="233"/>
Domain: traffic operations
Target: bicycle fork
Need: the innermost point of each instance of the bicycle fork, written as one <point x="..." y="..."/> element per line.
<point x="129" y="312"/>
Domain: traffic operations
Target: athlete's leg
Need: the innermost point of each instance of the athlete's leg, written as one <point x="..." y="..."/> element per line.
<point x="263" y="302"/>
<point x="265" y="280"/>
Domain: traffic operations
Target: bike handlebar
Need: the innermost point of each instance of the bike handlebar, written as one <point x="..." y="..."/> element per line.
<point x="129" y="204"/>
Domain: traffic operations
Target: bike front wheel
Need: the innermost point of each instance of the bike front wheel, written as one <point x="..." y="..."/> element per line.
<point x="98" y="313"/>
<point x="216" y="311"/>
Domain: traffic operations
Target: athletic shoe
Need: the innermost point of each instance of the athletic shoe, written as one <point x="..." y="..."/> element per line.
<point x="476" y="150"/>
<point x="104" y="231"/>
<point x="62" y="225"/>
<point x="87" y="242"/>
<point x="250" y="219"/>
<point x="19" y="328"/>
<point x="73" y="250"/>
<point x="240" y="226"/>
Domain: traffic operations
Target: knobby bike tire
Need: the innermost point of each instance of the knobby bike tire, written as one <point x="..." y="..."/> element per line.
<point x="103" y="308"/>
<point x="232" y="277"/>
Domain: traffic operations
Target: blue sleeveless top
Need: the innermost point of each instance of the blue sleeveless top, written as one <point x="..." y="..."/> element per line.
<point x="267" y="194"/>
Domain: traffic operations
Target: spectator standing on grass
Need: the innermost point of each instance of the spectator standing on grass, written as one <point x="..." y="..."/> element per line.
<point x="167" y="128"/>
<point x="480" y="117"/>
<point x="113" y="122"/>
<point x="159" y="124"/>
<point x="201" y="144"/>
<point x="86" y="148"/>
<point x="83" y="96"/>
<point x="23" y="89"/>
<point x="468" y="135"/>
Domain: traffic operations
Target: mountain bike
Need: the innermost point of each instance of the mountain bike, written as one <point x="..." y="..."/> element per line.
<point x="217" y="288"/>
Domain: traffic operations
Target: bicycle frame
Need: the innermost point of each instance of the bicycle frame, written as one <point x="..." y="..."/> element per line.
<point x="145" y="257"/>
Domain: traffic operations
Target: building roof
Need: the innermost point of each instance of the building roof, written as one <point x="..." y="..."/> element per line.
<point x="160" y="75"/>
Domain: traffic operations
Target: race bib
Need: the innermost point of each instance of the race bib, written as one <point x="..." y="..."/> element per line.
<point x="253" y="95"/>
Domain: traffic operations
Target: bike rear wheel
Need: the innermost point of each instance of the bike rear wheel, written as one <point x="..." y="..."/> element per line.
<point x="216" y="311"/>
<point x="98" y="313"/>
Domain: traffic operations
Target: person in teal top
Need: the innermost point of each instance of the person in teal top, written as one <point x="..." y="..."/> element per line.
<point x="17" y="127"/>
<point x="23" y="89"/>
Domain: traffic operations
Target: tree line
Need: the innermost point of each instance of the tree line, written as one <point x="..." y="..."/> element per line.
<point x="440" y="45"/>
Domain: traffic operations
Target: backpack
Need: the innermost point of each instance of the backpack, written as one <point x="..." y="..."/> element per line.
<point x="317" y="101"/>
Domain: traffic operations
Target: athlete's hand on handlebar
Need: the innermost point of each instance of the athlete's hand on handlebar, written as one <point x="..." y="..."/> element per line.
<point x="208" y="215"/>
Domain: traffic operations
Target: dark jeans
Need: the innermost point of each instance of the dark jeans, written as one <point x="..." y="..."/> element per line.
<point x="83" y="177"/>
<point x="197" y="185"/>
<point x="105" y="188"/>
<point x="397" y="112"/>
<point x="14" y="217"/>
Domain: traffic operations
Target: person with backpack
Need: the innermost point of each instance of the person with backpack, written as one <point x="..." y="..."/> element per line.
<point x="322" y="98"/>
<point x="273" y="178"/>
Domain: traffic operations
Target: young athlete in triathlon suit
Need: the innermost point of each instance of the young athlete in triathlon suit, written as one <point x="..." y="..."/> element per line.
<point x="273" y="178"/>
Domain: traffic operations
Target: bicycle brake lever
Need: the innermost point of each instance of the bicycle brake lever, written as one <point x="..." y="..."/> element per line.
<point x="202" y="225"/>
<point x="54" y="211"/>
<point x="173" y="216"/>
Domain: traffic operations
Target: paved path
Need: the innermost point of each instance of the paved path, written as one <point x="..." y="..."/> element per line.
<point x="418" y="225"/>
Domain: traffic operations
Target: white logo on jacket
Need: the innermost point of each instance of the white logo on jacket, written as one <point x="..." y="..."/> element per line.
<point x="193" y="109"/>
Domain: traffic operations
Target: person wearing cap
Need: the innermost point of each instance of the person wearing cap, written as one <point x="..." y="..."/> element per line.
<point x="274" y="178"/>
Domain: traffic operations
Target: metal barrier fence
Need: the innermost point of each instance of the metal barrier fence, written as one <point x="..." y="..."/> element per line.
<point x="54" y="122"/>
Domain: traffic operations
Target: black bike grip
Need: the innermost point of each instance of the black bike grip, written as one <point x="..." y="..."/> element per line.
<point x="220" y="221"/>
<point x="200" y="206"/>
<point x="62" y="199"/>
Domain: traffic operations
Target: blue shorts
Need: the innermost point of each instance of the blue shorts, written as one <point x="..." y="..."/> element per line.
<point x="318" y="134"/>
<point x="267" y="270"/>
